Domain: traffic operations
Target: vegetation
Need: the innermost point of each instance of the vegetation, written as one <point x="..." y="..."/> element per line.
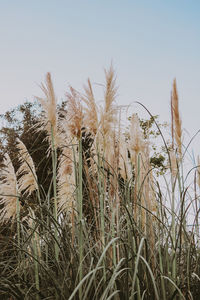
<point x="84" y="212"/>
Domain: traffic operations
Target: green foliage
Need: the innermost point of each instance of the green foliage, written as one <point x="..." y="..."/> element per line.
<point x="158" y="162"/>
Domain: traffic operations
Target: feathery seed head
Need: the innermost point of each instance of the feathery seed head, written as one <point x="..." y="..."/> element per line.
<point x="176" y="118"/>
<point x="49" y="119"/>
<point x="136" y="143"/>
<point x="28" y="178"/>
<point x="109" y="113"/>
<point x="8" y="190"/>
<point x="90" y="115"/>
<point x="66" y="181"/>
<point x="74" y="113"/>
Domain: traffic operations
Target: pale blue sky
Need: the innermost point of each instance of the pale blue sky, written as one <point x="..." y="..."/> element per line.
<point x="149" y="42"/>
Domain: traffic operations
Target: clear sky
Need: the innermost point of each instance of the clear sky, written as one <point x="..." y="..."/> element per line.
<point x="150" y="42"/>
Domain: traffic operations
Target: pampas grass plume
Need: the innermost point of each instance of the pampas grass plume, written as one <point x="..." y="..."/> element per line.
<point x="8" y="190"/>
<point x="108" y="116"/>
<point x="49" y="120"/>
<point x="66" y="181"/>
<point x="136" y="143"/>
<point x="176" y="118"/>
<point x="26" y="172"/>
<point x="74" y="113"/>
<point x="90" y="112"/>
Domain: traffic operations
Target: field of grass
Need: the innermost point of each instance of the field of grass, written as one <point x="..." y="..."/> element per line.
<point x="108" y="227"/>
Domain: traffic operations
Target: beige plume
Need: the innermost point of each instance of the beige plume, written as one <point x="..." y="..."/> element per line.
<point x="66" y="181"/>
<point x="8" y="190"/>
<point x="176" y="120"/>
<point x="108" y="118"/>
<point x="27" y="173"/>
<point x="136" y="143"/>
<point x="49" y="120"/>
<point x="108" y="115"/>
<point x="74" y="120"/>
<point x="90" y="112"/>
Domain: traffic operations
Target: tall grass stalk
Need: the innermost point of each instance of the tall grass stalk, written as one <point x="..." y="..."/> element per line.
<point x="173" y="232"/>
<point x="101" y="191"/>
<point x="18" y="221"/>
<point x="54" y="167"/>
<point x="80" y="213"/>
<point x="135" y="279"/>
<point x="36" y="257"/>
<point x="113" y="234"/>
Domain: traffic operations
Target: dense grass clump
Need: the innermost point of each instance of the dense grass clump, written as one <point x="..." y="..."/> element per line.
<point x="107" y="226"/>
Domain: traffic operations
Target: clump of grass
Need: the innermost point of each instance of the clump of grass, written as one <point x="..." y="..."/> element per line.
<point x="106" y="228"/>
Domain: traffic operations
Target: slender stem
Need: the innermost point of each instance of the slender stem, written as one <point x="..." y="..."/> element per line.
<point x="101" y="195"/>
<point x="113" y="234"/>
<point x="35" y="245"/>
<point x="80" y="214"/>
<point x="18" y="222"/>
<point x="173" y="231"/>
<point x="54" y="166"/>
